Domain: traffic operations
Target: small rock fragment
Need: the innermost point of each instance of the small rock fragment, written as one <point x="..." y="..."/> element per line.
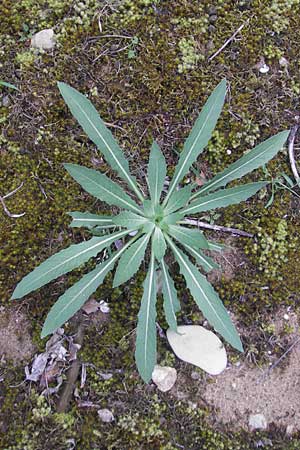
<point x="195" y="376"/>
<point x="44" y="39"/>
<point x="5" y="101"/>
<point x="283" y="62"/>
<point x="106" y="415"/>
<point x="104" y="307"/>
<point x="164" y="377"/>
<point x="264" y="68"/>
<point x="290" y="430"/>
<point x="257" y="422"/>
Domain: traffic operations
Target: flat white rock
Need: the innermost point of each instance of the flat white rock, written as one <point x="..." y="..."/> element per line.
<point x="164" y="377"/>
<point x="44" y="39"/>
<point x="196" y="345"/>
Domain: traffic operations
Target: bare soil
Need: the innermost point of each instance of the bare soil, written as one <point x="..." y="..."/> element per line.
<point x="273" y="390"/>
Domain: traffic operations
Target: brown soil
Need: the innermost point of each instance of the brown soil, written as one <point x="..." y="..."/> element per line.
<point x="15" y="341"/>
<point x="273" y="391"/>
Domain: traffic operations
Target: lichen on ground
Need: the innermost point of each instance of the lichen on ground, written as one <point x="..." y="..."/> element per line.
<point x="145" y="66"/>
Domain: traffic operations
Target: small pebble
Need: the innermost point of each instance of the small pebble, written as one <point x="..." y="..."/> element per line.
<point x="164" y="377"/>
<point x="212" y="10"/>
<point x="106" y="415"/>
<point x="264" y="68"/>
<point x="195" y="376"/>
<point x="283" y="61"/>
<point x="213" y="18"/>
<point x="286" y="317"/>
<point x="5" y="101"/>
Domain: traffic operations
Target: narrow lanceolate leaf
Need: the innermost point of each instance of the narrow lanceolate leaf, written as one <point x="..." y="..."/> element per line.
<point x="74" y="297"/>
<point x="224" y="197"/>
<point x="171" y="303"/>
<point x="172" y="219"/>
<point x="100" y="186"/>
<point x="130" y="220"/>
<point x="145" y="352"/>
<point x="148" y="208"/>
<point x="206" y="262"/>
<point x="8" y="85"/>
<point x="200" y="134"/>
<point x="131" y="260"/>
<point x="216" y="246"/>
<point x="157" y="171"/>
<point x="63" y="262"/>
<point x="260" y="155"/>
<point x="207" y="299"/>
<point x="178" y="200"/>
<point x="88" y="220"/>
<point x="159" y="246"/>
<point x="184" y="235"/>
<point x="89" y="119"/>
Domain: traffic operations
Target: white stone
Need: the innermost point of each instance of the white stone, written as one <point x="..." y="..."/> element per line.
<point x="290" y="430"/>
<point x="106" y="415"/>
<point x="286" y="317"/>
<point x="264" y="68"/>
<point x="257" y="422"/>
<point x="196" y="345"/>
<point x="283" y="61"/>
<point x="44" y="39"/>
<point x="164" y="377"/>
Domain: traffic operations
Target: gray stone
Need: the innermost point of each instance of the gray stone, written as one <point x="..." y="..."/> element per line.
<point x="44" y="39"/>
<point x="106" y="415"/>
<point x="5" y="101"/>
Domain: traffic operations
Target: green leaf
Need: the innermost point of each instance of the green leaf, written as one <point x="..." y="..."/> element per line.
<point x="171" y="303"/>
<point x="8" y="85"/>
<point x="200" y="134"/>
<point x="130" y="220"/>
<point x="158" y="244"/>
<point x="74" y="297"/>
<point x="88" y="220"/>
<point x="131" y="261"/>
<point x="145" y="353"/>
<point x="206" y="262"/>
<point x="255" y="158"/>
<point x="63" y="262"/>
<point x="89" y="119"/>
<point x="216" y="246"/>
<point x="172" y="219"/>
<point x="98" y="185"/>
<point x="178" y="200"/>
<point x="157" y="171"/>
<point x="184" y="235"/>
<point x="149" y="209"/>
<point x="223" y="197"/>
<point x="207" y="299"/>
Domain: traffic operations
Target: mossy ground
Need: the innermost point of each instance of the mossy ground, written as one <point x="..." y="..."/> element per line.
<point x="147" y="88"/>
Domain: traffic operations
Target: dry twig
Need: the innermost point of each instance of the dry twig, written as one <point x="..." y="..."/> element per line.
<point x="228" y="41"/>
<point x="281" y="358"/>
<point x="200" y="224"/>
<point x="6" y="210"/>
<point x="291" y="141"/>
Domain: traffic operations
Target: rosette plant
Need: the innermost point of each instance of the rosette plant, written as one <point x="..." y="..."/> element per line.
<point x="158" y="222"/>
